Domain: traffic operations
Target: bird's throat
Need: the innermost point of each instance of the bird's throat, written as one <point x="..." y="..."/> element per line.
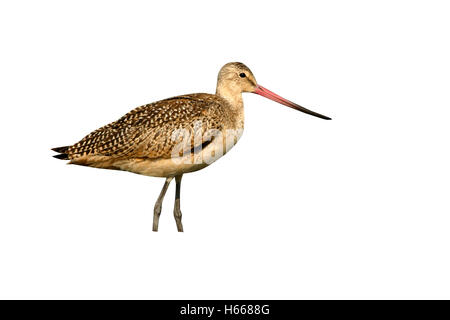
<point x="236" y="105"/>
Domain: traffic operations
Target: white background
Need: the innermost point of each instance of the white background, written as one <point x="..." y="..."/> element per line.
<point x="301" y="208"/>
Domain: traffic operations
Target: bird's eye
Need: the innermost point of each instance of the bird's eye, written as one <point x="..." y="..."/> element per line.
<point x="242" y="75"/>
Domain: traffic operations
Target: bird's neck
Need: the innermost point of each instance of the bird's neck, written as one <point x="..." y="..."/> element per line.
<point x="234" y="98"/>
<point x="230" y="93"/>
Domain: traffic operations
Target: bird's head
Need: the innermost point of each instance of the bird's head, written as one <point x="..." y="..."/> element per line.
<point x="236" y="77"/>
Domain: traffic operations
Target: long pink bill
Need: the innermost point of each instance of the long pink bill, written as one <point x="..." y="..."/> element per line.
<point x="273" y="96"/>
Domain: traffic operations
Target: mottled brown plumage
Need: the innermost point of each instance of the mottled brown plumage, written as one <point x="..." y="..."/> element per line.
<point x="146" y="132"/>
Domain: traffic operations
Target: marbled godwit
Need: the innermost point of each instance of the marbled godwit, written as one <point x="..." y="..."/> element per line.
<point x="174" y="136"/>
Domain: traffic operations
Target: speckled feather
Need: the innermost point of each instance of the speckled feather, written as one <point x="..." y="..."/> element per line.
<point x="146" y="132"/>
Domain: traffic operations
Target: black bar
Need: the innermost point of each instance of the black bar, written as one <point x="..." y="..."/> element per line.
<point x="225" y="309"/>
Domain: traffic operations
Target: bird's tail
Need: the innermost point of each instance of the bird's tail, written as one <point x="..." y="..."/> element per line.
<point x="63" y="155"/>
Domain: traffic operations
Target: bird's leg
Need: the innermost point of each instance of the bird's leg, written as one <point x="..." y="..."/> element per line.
<point x="176" y="209"/>
<point x="158" y="204"/>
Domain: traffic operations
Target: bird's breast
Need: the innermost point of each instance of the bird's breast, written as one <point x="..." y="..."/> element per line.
<point x="185" y="160"/>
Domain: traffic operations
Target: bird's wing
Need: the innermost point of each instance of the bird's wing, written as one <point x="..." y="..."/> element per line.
<point x="154" y="130"/>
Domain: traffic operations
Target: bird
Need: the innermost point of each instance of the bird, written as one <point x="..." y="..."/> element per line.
<point x="175" y="136"/>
